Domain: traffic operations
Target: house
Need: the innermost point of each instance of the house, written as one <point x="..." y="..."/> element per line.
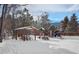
<point x="28" y="30"/>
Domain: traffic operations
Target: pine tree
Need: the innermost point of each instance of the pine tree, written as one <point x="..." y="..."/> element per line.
<point x="73" y="23"/>
<point x="64" y="23"/>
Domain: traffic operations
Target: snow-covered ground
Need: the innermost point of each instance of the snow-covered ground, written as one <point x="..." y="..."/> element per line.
<point x="68" y="45"/>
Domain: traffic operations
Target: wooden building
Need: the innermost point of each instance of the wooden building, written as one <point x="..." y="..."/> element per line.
<point x="29" y="30"/>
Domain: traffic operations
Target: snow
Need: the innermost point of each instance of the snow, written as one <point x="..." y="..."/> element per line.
<point x="29" y="28"/>
<point x="68" y="45"/>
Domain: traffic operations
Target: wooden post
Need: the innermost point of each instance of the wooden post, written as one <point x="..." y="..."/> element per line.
<point x="50" y="33"/>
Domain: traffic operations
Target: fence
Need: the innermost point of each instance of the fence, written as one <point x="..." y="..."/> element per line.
<point x="71" y="34"/>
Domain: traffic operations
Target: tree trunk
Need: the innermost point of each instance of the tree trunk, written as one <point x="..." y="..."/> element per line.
<point x="2" y="17"/>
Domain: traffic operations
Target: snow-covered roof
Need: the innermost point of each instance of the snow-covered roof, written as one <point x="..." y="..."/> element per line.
<point x="34" y="28"/>
<point x="27" y="28"/>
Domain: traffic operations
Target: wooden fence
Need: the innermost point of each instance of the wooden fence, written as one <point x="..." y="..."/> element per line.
<point x="71" y="34"/>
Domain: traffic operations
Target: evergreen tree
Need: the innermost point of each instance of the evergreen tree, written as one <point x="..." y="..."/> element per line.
<point x="73" y="23"/>
<point x="23" y="18"/>
<point x="64" y="23"/>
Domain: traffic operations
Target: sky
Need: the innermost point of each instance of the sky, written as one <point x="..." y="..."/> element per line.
<point x="56" y="12"/>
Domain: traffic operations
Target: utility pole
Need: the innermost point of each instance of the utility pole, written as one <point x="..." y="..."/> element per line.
<point x="4" y="8"/>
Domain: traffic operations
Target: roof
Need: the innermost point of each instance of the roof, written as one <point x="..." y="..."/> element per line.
<point x="27" y="28"/>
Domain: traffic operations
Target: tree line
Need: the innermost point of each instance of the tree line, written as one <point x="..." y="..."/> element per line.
<point x="69" y="25"/>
